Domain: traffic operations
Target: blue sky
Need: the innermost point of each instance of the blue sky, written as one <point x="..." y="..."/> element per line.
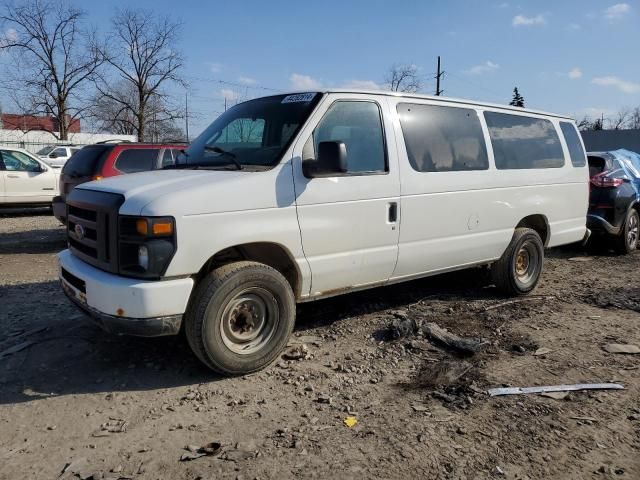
<point x="571" y="56"/>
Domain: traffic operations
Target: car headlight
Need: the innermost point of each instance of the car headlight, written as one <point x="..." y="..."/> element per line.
<point x="145" y="246"/>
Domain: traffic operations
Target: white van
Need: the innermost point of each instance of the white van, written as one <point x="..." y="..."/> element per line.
<point x="296" y="197"/>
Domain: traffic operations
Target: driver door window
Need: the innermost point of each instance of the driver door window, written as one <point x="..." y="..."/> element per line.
<point x="358" y="124"/>
<point x="19" y="162"/>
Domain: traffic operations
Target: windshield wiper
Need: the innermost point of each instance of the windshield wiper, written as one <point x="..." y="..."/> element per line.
<point x="231" y="155"/>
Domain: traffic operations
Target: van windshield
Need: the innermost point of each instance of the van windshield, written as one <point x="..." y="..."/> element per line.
<point x="251" y="134"/>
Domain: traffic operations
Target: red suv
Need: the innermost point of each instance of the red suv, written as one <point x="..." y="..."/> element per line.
<point x="101" y="160"/>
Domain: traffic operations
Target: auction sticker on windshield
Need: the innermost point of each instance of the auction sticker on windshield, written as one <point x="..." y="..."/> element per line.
<point x="298" y="97"/>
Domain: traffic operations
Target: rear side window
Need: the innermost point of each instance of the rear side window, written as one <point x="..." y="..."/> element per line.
<point x="87" y="161"/>
<point x="137" y="160"/>
<point x="359" y="125"/>
<point x="576" y="152"/>
<point x="442" y="139"/>
<point x="60" y="152"/>
<point x="523" y="142"/>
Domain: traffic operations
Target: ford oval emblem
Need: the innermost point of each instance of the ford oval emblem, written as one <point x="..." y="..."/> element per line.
<point x="79" y="230"/>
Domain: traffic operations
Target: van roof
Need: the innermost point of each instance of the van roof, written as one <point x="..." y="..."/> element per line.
<point x="437" y="99"/>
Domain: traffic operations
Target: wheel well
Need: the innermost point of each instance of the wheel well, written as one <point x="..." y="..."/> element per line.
<point x="538" y="223"/>
<point x="272" y="254"/>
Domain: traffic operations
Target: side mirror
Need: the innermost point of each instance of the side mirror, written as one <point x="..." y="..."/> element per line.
<point x="331" y="161"/>
<point x="53" y="155"/>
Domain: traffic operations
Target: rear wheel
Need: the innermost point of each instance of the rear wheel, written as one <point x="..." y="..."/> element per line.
<point x="518" y="270"/>
<point x="627" y="240"/>
<point x="240" y="317"/>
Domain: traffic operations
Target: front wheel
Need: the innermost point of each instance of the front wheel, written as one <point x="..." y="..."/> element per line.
<point x="518" y="270"/>
<point x="627" y="240"/>
<point x="240" y="317"/>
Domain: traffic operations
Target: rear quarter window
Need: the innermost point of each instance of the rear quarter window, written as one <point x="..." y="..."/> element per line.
<point x="87" y="161"/>
<point x="137" y="160"/>
<point x="442" y="139"/>
<point x="576" y="152"/>
<point x="521" y="142"/>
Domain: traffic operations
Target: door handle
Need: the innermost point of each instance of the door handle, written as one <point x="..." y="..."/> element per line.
<point x="393" y="212"/>
<point x="13" y="176"/>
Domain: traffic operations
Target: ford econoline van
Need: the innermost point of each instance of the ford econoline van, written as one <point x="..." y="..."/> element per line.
<point x="295" y="197"/>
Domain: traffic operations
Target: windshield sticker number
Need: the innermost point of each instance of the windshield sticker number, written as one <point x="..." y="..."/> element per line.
<point x="299" y="97"/>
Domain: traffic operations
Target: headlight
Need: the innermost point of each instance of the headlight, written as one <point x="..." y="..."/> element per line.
<point x="146" y="245"/>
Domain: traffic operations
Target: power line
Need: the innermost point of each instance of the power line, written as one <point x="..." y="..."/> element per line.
<point x="232" y="84"/>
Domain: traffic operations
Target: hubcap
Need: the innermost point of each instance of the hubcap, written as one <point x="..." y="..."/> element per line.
<point x="632" y="232"/>
<point x="526" y="263"/>
<point x="249" y="320"/>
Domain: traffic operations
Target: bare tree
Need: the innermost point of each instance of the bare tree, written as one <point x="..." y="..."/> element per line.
<point x="584" y="124"/>
<point x="403" y="78"/>
<point x="112" y="113"/>
<point x="634" y="118"/>
<point x="54" y="59"/>
<point x="145" y="61"/>
<point x="619" y="121"/>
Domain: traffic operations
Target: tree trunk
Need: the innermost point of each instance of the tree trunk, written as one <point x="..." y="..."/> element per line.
<point x="62" y="121"/>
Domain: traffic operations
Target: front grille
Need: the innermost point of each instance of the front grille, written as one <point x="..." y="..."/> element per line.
<point x="92" y="227"/>
<point x="78" y="283"/>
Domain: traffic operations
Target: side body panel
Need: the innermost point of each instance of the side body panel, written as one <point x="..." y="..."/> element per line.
<point x="453" y="219"/>
<point x="234" y="209"/>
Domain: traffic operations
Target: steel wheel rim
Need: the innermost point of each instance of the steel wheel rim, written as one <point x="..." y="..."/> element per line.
<point x="632" y="233"/>
<point x="526" y="262"/>
<point x="249" y="320"/>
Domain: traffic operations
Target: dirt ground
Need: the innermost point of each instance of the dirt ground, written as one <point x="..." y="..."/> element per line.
<point x="78" y="403"/>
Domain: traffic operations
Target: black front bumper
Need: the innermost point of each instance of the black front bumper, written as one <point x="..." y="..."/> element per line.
<point x="139" y="327"/>
<point x="59" y="209"/>
<point x="597" y="224"/>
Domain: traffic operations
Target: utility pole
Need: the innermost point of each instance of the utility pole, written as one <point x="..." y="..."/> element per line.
<point x="186" y="114"/>
<point x="438" y="76"/>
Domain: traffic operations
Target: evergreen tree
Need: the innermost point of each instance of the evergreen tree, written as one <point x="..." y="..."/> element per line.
<point x="517" y="100"/>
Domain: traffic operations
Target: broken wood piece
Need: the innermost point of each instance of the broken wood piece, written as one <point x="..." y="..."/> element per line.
<point x="494" y="392"/>
<point x="542" y="351"/>
<point x="439" y="335"/>
<point x="518" y="300"/>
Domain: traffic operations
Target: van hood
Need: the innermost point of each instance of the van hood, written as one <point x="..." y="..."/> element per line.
<point x="196" y="192"/>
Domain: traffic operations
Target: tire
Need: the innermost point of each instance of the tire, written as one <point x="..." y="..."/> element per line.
<point x="220" y="323"/>
<point x="627" y="241"/>
<point x="518" y="270"/>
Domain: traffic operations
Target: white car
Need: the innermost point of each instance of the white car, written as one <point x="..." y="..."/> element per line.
<point x="56" y="155"/>
<point x="292" y="198"/>
<point x="25" y="180"/>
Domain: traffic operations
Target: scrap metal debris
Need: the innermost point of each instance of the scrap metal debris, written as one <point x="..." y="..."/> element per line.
<point x="194" y="452"/>
<point x="301" y="352"/>
<point x="403" y="326"/>
<point x="494" y="392"/>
